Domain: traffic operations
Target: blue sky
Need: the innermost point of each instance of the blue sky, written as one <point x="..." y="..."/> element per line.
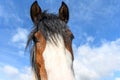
<point x="94" y="23"/>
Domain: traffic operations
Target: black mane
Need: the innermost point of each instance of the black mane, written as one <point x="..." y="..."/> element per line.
<point x="50" y="25"/>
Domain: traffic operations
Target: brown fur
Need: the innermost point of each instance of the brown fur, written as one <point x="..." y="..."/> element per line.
<point x="40" y="46"/>
<point x="68" y="42"/>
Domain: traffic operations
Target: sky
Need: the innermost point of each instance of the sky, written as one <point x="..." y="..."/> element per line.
<point x="94" y="23"/>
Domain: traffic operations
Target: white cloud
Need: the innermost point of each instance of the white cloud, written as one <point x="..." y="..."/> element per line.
<point x="13" y="73"/>
<point x="117" y="79"/>
<point x="89" y="39"/>
<point x="20" y="37"/>
<point x="9" y="70"/>
<point x="93" y="63"/>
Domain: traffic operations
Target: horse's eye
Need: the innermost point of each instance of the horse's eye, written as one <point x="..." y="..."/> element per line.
<point x="72" y="36"/>
<point x="34" y="39"/>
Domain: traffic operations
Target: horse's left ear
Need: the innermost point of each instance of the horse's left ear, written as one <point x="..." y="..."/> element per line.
<point x="35" y="12"/>
<point x="64" y="12"/>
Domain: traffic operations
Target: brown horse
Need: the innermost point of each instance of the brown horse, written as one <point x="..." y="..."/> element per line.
<point x="51" y="39"/>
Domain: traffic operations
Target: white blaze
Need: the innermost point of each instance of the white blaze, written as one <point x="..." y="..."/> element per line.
<point x="58" y="61"/>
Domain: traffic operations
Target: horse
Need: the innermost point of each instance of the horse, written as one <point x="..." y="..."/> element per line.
<point x="51" y="44"/>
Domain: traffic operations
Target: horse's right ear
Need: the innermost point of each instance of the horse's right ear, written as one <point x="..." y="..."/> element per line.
<point x="64" y="12"/>
<point x="35" y="12"/>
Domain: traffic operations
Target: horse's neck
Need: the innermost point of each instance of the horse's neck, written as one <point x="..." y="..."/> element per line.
<point x="58" y="61"/>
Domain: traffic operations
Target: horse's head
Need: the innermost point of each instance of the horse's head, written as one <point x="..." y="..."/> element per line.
<point x="52" y="40"/>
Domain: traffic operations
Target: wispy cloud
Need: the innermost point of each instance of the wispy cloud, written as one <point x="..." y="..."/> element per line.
<point x="87" y="11"/>
<point x="9" y="70"/>
<point x="8" y="14"/>
<point x="18" y="40"/>
<point x="20" y="37"/>
<point x="93" y="63"/>
<point x="13" y="73"/>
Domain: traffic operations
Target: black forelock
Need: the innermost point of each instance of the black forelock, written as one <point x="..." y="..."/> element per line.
<point x="49" y="25"/>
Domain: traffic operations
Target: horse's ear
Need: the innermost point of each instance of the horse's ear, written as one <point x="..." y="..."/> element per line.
<point x="64" y="12"/>
<point x="35" y="12"/>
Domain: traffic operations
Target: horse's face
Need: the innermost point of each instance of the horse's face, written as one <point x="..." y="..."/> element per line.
<point x="52" y="40"/>
<point x="37" y="16"/>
